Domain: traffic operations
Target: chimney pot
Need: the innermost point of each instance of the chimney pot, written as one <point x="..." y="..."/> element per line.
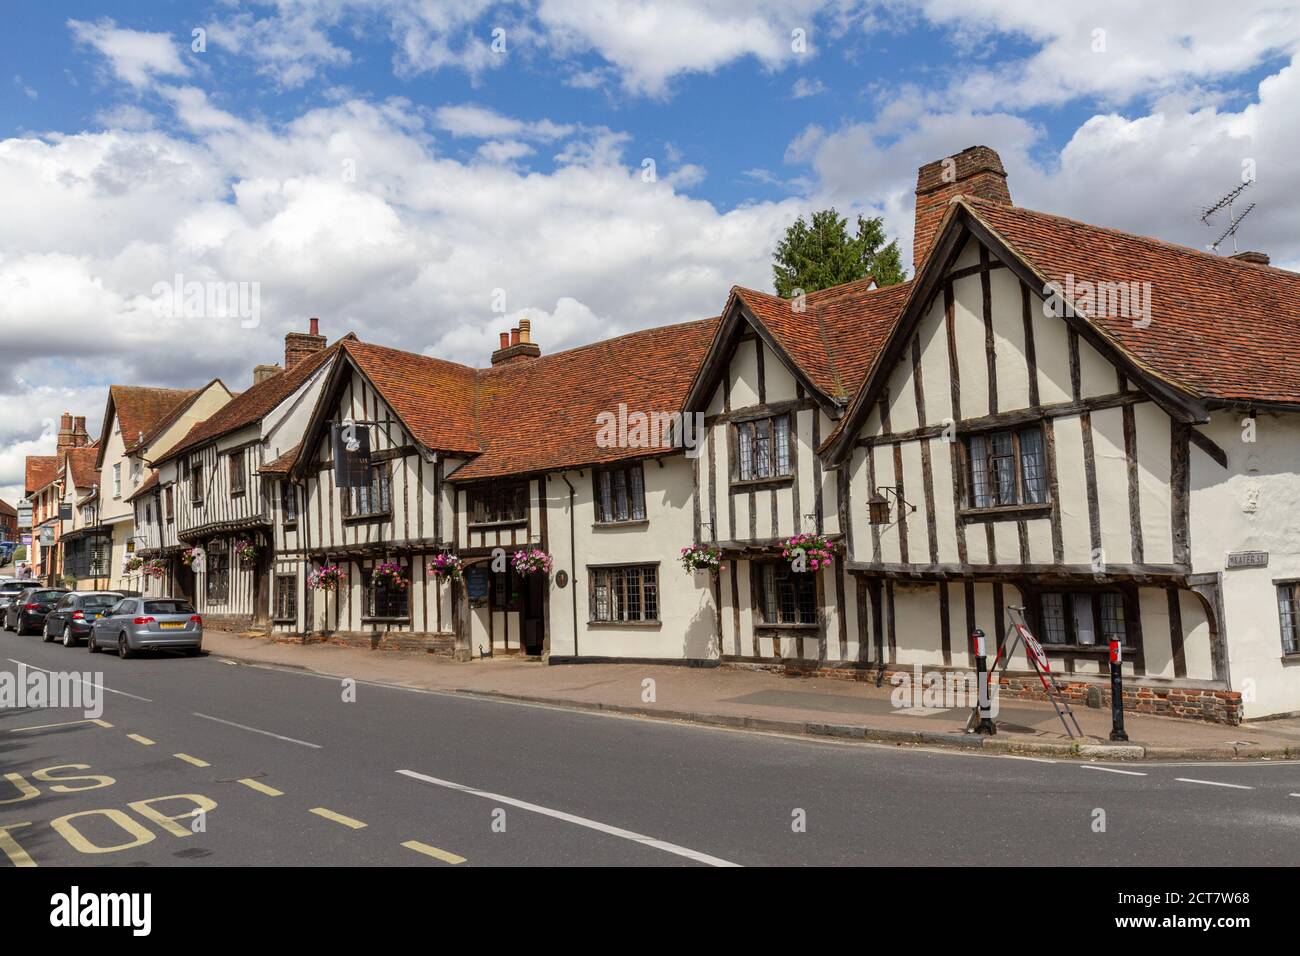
<point x="975" y="171"/>
<point x="505" y="340"/>
<point x="315" y="325"/>
<point x="525" y="330"/>
<point x="514" y="336"/>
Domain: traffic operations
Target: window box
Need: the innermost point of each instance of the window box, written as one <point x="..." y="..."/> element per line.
<point x="615" y="525"/>
<point x="1007" y="512"/>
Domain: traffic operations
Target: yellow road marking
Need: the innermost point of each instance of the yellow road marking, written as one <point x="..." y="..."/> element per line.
<point x="261" y="787"/>
<point x="433" y="851"/>
<point x="194" y="760"/>
<point x="66" y="723"/>
<point x="10" y="848"/>
<point x="141" y="740"/>
<point x="337" y="818"/>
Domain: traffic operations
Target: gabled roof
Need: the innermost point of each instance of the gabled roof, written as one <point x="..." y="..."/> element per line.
<point x="139" y="411"/>
<point x="40" y="471"/>
<point x="434" y="398"/>
<point x="7" y="509"/>
<point x="528" y="416"/>
<point x="82" y="464"/>
<point x="1220" y="332"/>
<point x="1223" y="329"/>
<point x="541" y="414"/>
<point x="829" y="344"/>
<point x="250" y="407"/>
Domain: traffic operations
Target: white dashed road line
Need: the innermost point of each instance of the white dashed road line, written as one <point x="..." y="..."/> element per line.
<point x="231" y="723"/>
<point x="673" y="848"/>
<point x="1130" y="773"/>
<point x="1214" y="783"/>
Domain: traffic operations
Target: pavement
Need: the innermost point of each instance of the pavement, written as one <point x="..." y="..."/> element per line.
<point x="290" y="766"/>
<point x="760" y="700"/>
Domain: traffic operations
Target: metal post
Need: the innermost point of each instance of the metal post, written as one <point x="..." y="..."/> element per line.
<point x="985" y="725"/>
<point x="1117" y="691"/>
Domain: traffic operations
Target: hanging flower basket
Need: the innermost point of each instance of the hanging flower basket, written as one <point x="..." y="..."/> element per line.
<point x="244" y="550"/>
<point x="391" y="574"/>
<point x="191" y="555"/>
<point x="532" y="561"/>
<point x="701" y="559"/>
<point x="808" y="552"/>
<point x="132" y="565"/>
<point x="447" y="566"/>
<point x="326" y="578"/>
<point x="157" y="568"/>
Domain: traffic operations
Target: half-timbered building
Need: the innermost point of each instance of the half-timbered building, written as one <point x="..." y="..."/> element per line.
<point x="482" y="463"/>
<point x="210" y="497"/>
<point x="1095" y="426"/>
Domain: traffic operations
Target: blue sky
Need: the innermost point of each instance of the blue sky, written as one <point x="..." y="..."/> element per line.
<point x="376" y="163"/>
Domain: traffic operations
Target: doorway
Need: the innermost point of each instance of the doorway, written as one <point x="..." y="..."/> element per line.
<point x="533" y="614"/>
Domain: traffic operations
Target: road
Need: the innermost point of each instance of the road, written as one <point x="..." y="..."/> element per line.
<point x="290" y="771"/>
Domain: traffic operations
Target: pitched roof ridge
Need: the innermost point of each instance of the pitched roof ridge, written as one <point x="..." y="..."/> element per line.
<point x="977" y="204"/>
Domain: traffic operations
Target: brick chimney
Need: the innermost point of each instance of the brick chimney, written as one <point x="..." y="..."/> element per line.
<point x="65" y="432"/>
<point x="517" y="345"/>
<point x="975" y="171"/>
<point x="80" y="439"/>
<point x="262" y="372"/>
<point x="1254" y="258"/>
<point x="300" y="345"/>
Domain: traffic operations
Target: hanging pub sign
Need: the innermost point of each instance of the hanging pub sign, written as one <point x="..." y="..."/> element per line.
<point x="350" y="443"/>
<point x="65" y="511"/>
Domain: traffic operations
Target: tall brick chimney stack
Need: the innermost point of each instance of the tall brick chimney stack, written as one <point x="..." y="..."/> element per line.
<point x="65" y="432"/>
<point x="80" y="439"/>
<point x="300" y="345"/>
<point x="517" y="345"/>
<point x="975" y="171"/>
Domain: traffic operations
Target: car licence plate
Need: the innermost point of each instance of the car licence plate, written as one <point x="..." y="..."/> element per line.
<point x="170" y="625"/>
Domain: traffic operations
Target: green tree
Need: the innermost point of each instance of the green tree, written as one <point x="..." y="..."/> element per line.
<point x="821" y="253"/>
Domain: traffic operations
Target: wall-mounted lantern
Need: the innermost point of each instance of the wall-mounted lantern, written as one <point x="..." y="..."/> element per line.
<point x="878" y="504"/>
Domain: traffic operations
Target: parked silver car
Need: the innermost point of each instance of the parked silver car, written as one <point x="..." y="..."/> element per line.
<point x="147" y="624"/>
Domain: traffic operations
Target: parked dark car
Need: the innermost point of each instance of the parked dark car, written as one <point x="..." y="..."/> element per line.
<point x="74" y="615"/>
<point x="27" y="612"/>
<point x="148" y="624"/>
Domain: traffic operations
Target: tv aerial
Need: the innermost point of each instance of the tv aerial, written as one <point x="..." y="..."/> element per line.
<point x="1234" y="222"/>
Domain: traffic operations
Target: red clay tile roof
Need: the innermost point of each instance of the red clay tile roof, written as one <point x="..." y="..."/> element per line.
<point x="1221" y="328"/>
<point x="147" y="485"/>
<point x="433" y="397"/>
<point x="283" y="464"/>
<point x="835" y="339"/>
<point x="82" y="465"/>
<point x="40" y="471"/>
<point x="541" y="414"/>
<point x="7" y="509"/>
<point x="139" y="409"/>
<point x="253" y="405"/>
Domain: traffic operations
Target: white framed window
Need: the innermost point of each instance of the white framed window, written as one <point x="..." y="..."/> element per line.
<point x="117" y="480"/>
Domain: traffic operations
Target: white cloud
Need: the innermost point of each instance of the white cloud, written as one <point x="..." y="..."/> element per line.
<point x="480" y="122"/>
<point x="135" y="56"/>
<point x="804" y="88"/>
<point x="346" y="212"/>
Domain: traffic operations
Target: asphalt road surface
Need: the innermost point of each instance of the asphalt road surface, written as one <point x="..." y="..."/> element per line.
<point x="287" y="770"/>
